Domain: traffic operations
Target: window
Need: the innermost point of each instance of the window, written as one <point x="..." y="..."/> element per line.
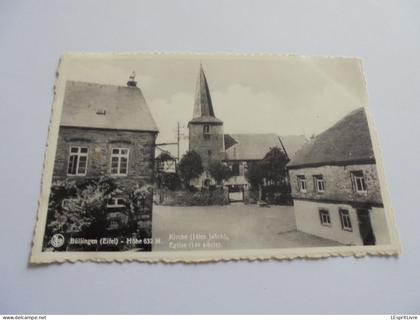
<point x="319" y="183"/>
<point x="209" y="153"/>
<point x="77" y="161"/>
<point x="113" y="224"/>
<point x="345" y="220"/>
<point x="119" y="161"/>
<point x="206" y="129"/>
<point x="358" y="180"/>
<point x="302" y="183"/>
<point x="65" y="203"/>
<point x="115" y="203"/>
<point x="324" y="216"/>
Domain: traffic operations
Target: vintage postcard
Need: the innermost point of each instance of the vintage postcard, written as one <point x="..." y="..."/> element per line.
<point x="210" y="157"/>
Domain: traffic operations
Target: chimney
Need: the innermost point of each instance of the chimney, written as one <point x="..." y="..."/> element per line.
<point x="131" y="80"/>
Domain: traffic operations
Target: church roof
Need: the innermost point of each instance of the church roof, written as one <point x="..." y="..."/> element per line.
<point x="91" y="105"/>
<point x="250" y="146"/>
<point x="203" y="106"/>
<point x="254" y="146"/>
<point x="348" y="141"/>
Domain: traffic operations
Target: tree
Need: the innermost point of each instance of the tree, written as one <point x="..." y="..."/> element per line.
<point x="274" y="166"/>
<point x="272" y="170"/>
<point x="219" y="171"/>
<point x="255" y="175"/>
<point x="190" y="167"/>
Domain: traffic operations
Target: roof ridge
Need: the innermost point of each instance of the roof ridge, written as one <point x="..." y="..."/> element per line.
<point x="346" y="140"/>
<point x="101" y="84"/>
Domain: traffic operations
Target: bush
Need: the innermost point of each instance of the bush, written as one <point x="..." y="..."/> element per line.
<point x="199" y="198"/>
<point x="79" y="209"/>
<point x="190" y="167"/>
<point x="219" y="171"/>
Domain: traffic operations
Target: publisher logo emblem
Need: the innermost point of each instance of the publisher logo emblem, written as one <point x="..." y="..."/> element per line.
<point x="57" y="240"/>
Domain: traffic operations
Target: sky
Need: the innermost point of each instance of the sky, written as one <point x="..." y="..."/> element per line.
<point x="286" y="95"/>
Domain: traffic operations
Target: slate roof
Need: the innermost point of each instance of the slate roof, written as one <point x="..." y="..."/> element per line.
<point x="250" y="146"/>
<point x="203" y="106"/>
<point x="91" y="105"/>
<point x="292" y="144"/>
<point x="254" y="146"/>
<point x="348" y="141"/>
<point x="229" y="141"/>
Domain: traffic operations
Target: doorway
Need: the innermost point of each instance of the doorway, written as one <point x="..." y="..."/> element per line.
<point x="236" y="193"/>
<point x="365" y="227"/>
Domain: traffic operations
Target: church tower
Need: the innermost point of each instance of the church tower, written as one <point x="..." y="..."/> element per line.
<point x="205" y="130"/>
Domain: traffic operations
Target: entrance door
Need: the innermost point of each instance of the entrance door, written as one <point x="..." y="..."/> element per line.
<point x="236" y="193"/>
<point x="365" y="227"/>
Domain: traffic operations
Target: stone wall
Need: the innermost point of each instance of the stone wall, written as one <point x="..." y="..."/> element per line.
<point x="338" y="184"/>
<point x="202" y="144"/>
<point x="100" y="142"/>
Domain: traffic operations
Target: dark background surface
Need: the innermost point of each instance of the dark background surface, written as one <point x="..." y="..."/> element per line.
<point x="34" y="34"/>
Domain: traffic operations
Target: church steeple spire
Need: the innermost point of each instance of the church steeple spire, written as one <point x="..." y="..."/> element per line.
<point x="205" y="130"/>
<point x="203" y="106"/>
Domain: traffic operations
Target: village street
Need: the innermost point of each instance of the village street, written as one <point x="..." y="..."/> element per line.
<point x="234" y="226"/>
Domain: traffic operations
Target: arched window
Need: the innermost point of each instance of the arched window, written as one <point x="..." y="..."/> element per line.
<point x="206" y="129"/>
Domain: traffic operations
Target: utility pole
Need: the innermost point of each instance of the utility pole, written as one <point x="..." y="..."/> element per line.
<point x="177" y="138"/>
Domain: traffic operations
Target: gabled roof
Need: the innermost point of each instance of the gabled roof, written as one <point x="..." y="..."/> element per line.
<point x="292" y="144"/>
<point x="229" y="141"/>
<point x="91" y="105"/>
<point x="348" y="141"/>
<point x="250" y="146"/>
<point x="203" y="106"/>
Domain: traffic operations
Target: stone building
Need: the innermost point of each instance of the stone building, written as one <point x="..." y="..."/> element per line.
<point x="242" y="149"/>
<point x="205" y="130"/>
<point x="335" y="185"/>
<point x="207" y="138"/>
<point x="106" y="131"/>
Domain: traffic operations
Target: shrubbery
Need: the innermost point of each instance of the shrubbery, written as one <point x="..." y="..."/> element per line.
<point x="79" y="209"/>
<point x="198" y="198"/>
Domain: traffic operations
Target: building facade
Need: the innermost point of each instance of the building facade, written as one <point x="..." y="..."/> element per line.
<point x="335" y="185"/>
<point x="107" y="132"/>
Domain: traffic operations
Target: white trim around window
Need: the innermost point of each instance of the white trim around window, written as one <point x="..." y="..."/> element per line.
<point x="358" y="180"/>
<point x="115" y="203"/>
<point x="302" y="184"/>
<point x="119" y="161"/>
<point x="324" y="217"/>
<point x="345" y="220"/>
<point x="319" y="183"/>
<point x="77" y="161"/>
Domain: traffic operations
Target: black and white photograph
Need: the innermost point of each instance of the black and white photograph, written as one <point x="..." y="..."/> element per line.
<point x="205" y="157"/>
<point x="216" y="158"/>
